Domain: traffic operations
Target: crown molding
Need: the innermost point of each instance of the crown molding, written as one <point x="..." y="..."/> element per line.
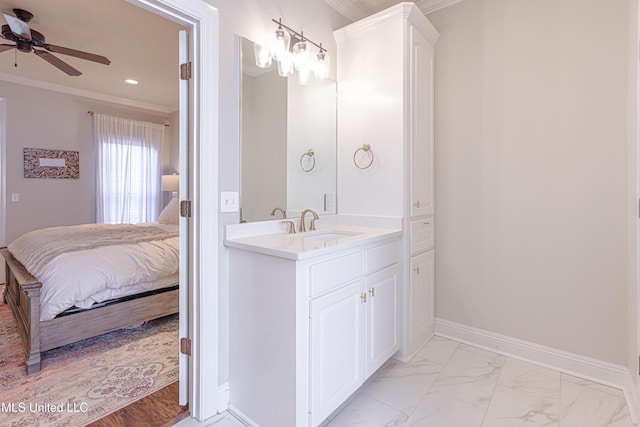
<point x="430" y="6"/>
<point x="352" y="11"/>
<point x="348" y="8"/>
<point x="12" y="78"/>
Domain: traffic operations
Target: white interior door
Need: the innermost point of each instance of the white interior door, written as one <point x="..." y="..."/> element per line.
<point x="184" y="194"/>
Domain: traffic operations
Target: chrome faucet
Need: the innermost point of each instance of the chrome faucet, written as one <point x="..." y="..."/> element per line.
<point x="312" y="225"/>
<point x="284" y="212"/>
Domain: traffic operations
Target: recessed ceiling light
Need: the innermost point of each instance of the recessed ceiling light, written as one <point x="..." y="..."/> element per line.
<point x="131" y="81"/>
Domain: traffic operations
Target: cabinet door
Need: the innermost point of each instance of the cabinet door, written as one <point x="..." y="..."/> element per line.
<point x="421" y="235"/>
<point x="383" y="320"/>
<point x="421" y="137"/>
<point x="421" y="297"/>
<point x="337" y="348"/>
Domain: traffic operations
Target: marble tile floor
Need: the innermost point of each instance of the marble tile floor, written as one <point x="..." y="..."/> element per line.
<point x="452" y="384"/>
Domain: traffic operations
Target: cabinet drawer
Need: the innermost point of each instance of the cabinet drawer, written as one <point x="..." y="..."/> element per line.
<point x="381" y="257"/>
<point x="421" y="235"/>
<point x="333" y="272"/>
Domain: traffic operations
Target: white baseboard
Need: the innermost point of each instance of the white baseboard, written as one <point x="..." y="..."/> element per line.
<point x="223" y="397"/>
<point x="242" y="417"/>
<point x="610" y="374"/>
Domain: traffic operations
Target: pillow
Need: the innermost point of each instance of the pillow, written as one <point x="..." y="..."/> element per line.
<point x="171" y="213"/>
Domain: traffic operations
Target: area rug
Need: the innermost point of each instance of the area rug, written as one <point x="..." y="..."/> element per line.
<point x="82" y="382"/>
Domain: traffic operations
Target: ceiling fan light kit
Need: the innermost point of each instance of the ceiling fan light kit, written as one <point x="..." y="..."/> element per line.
<point x="29" y="40"/>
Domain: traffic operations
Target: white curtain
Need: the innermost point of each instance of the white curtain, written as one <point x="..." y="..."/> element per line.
<point x="128" y="166"/>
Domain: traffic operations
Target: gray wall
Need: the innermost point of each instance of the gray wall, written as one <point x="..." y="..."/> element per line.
<point x="531" y="171"/>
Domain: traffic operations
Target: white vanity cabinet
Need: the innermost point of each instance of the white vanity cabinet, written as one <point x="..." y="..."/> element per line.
<point x="420" y="314"/>
<point x="337" y="349"/>
<point x="354" y="329"/>
<point x="421" y="124"/>
<point x="421" y="286"/>
<point x="305" y="334"/>
<point x="386" y="93"/>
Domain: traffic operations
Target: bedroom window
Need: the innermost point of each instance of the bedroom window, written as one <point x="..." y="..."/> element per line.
<point x="128" y="170"/>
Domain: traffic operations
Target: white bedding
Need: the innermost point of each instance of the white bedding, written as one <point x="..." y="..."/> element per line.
<point x="83" y="277"/>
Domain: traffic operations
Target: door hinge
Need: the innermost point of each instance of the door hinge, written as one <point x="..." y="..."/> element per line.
<point x="185" y="71"/>
<point x="185" y="346"/>
<point x="185" y="208"/>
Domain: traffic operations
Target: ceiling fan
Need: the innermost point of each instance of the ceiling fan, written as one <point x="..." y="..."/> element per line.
<point x="29" y="40"/>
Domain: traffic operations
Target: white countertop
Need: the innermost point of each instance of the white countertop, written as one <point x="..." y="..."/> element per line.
<point x="306" y="245"/>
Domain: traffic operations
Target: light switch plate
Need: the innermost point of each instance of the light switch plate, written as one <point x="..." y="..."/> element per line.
<point x="15" y="197"/>
<point x="330" y="202"/>
<point x="229" y="201"/>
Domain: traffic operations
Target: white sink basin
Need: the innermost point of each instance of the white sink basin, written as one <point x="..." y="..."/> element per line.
<point x="331" y="235"/>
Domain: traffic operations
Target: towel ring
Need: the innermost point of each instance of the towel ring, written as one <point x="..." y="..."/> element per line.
<point x="367" y="149"/>
<point x="312" y="155"/>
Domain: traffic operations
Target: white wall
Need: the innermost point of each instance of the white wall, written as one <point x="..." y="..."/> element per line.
<point x="252" y="19"/>
<point x="370" y="107"/>
<point x="531" y="171"/>
<point x="39" y="118"/>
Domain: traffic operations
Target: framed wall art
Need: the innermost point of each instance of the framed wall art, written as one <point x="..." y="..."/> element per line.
<point x="43" y="163"/>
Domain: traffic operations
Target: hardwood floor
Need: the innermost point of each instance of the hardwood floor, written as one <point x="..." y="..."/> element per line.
<point x="159" y="409"/>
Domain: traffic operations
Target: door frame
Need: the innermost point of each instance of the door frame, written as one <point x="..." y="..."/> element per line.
<point x="202" y="21"/>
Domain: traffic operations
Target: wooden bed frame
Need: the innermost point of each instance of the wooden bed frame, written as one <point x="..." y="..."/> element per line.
<point x="22" y="293"/>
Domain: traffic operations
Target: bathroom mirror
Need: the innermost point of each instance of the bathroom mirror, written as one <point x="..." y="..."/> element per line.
<point x="288" y="142"/>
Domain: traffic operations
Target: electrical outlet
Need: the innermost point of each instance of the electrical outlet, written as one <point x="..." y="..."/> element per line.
<point x="15" y="197"/>
<point x="229" y="201"/>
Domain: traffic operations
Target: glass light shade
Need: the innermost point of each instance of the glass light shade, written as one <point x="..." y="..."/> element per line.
<point x="303" y="73"/>
<point x="301" y="54"/>
<point x="285" y="66"/>
<point x="281" y="44"/>
<point x="263" y="56"/>
<point x="322" y="66"/>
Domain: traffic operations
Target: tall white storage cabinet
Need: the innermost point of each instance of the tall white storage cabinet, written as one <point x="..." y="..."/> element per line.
<point x="385" y="93"/>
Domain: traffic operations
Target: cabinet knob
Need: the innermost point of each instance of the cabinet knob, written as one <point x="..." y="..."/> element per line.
<point x="363" y="297"/>
<point x="417" y="270"/>
<point x="417" y="204"/>
<point x="372" y="291"/>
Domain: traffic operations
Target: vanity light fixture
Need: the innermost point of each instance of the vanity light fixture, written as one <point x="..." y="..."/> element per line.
<point x="293" y="53"/>
<point x="263" y="56"/>
<point x="283" y="41"/>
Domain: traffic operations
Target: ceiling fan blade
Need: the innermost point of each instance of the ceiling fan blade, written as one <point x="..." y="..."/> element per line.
<point x="57" y="62"/>
<point x="78" y="54"/>
<point x="18" y="27"/>
<point x="4" y="47"/>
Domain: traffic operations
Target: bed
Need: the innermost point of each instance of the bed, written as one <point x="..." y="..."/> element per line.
<point x="66" y="284"/>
